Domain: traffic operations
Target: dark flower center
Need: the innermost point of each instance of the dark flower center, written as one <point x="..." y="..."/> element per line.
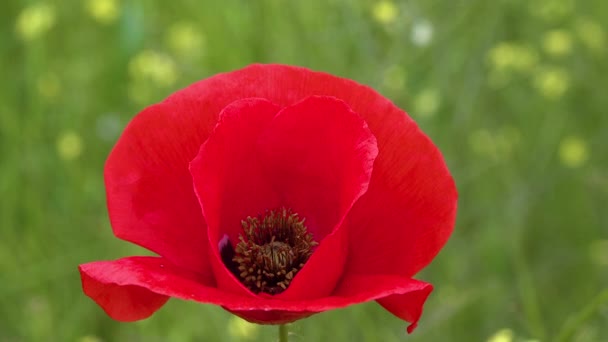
<point x="273" y="248"/>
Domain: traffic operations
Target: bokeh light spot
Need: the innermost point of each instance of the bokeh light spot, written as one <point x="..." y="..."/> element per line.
<point x="35" y="20"/>
<point x="503" y="335"/>
<point x="552" y="83"/>
<point x="103" y="11"/>
<point x="591" y="34"/>
<point x="69" y="145"/>
<point x="427" y="102"/>
<point x="385" y="12"/>
<point x="394" y="78"/>
<point x="508" y="56"/>
<point x="153" y="66"/>
<point x="497" y="146"/>
<point x="557" y="43"/>
<point x="185" y="39"/>
<point x="241" y="329"/>
<point x="573" y="152"/>
<point x="90" y="338"/>
<point x="422" y="33"/>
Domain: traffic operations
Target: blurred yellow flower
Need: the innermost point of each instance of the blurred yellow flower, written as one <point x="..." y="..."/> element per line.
<point x="552" y="82"/>
<point x="90" y="338"/>
<point x="35" y="20"/>
<point x="512" y="56"/>
<point x="185" y="39"/>
<point x="241" y="329"/>
<point x="503" y="335"/>
<point x="69" y="145"/>
<point x="557" y="43"/>
<point x="48" y="85"/>
<point x="152" y="66"/>
<point x="394" y="78"/>
<point x="104" y="11"/>
<point x="427" y="102"/>
<point x="495" y="145"/>
<point x="591" y="34"/>
<point x="385" y="12"/>
<point x="573" y="152"/>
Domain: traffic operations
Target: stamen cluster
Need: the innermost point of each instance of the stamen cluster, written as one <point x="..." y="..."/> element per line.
<point x="273" y="248"/>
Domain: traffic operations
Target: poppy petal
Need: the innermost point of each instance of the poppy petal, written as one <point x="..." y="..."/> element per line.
<point x="403" y="297"/>
<point x="150" y="196"/>
<point x="133" y="288"/>
<point x="319" y="156"/>
<point x="109" y="285"/>
<point x="229" y="180"/>
<point x="408" y="214"/>
<point x="314" y="157"/>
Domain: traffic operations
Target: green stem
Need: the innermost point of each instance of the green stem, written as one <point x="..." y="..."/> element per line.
<point x="283" y="334"/>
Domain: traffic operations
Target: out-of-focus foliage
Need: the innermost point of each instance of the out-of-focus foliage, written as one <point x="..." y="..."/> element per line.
<point x="513" y="92"/>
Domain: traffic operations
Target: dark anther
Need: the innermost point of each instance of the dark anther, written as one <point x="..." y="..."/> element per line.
<point x="272" y="250"/>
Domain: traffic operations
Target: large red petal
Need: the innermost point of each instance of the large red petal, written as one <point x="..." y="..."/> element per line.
<point x="229" y="180"/>
<point x="319" y="156"/>
<point x="133" y="288"/>
<point x="150" y="196"/>
<point x="407" y="215"/>
<point x="314" y="157"/>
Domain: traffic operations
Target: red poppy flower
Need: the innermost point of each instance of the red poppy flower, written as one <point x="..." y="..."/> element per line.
<point x="275" y="192"/>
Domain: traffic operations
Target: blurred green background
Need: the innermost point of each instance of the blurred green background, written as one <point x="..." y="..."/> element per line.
<point x="513" y="92"/>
